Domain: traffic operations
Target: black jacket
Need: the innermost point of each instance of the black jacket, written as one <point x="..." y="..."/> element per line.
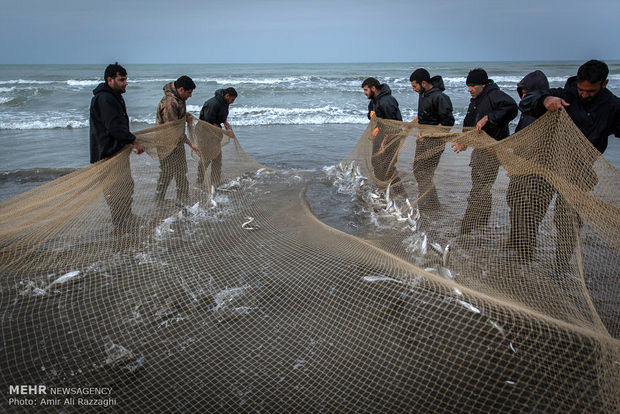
<point x="532" y="82"/>
<point x="597" y="119"/>
<point x="215" y="110"/>
<point x="434" y="106"/>
<point x="500" y="108"/>
<point x="109" y="123"/>
<point x="385" y="105"/>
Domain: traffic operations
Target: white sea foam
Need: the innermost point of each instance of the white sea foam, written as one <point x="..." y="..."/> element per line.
<point x="26" y="81"/>
<point x="5" y="99"/>
<point x="269" y="115"/>
<point x="73" y="82"/>
<point x="252" y="81"/>
<point x="44" y="124"/>
<point x="12" y="88"/>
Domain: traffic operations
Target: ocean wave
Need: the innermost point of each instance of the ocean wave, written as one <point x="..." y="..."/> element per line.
<point x="149" y="120"/>
<point x="26" y="81"/>
<point x="5" y="99"/>
<point x="11" y="89"/>
<point x="460" y="80"/>
<point x="253" y="115"/>
<point x="252" y="81"/>
<point x="44" y="124"/>
<point x="193" y="108"/>
<point x="73" y="82"/>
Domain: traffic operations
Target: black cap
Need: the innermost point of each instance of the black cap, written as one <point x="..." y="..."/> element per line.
<point x="477" y="77"/>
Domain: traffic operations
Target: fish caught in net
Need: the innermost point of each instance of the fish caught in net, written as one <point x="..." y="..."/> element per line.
<point x="242" y="298"/>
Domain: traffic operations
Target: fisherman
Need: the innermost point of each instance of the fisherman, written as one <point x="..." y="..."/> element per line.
<point x="384" y="146"/>
<point x="434" y="108"/>
<point x="109" y="134"/>
<point x="215" y="112"/>
<point x="529" y="195"/>
<point x="596" y="112"/>
<point x="490" y="110"/>
<point x="172" y="108"/>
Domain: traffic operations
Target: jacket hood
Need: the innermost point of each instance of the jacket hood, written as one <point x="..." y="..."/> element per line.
<point x="219" y="94"/>
<point x="534" y="81"/>
<point x="571" y="82"/>
<point x="437" y="82"/>
<point x="103" y="87"/>
<point x="385" y="90"/>
<point x="491" y="86"/>
<point x="171" y="91"/>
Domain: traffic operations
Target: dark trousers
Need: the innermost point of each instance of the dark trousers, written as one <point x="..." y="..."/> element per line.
<point x="528" y="197"/>
<point x="424" y="166"/>
<point x="216" y="170"/>
<point x="118" y="190"/>
<point x="384" y="163"/>
<point x="567" y="223"/>
<point x="173" y="166"/>
<point x="484" y="167"/>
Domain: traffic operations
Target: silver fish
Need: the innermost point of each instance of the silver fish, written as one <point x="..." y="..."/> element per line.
<point x="446" y="255"/>
<point x="498" y="327"/>
<point x="246" y="225"/>
<point x="445" y="272"/>
<point x="212" y="197"/>
<point x="65" y="278"/>
<point x="437" y="247"/>
<point x="469" y="306"/>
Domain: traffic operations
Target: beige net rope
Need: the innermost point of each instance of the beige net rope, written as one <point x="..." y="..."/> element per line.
<point x="496" y="293"/>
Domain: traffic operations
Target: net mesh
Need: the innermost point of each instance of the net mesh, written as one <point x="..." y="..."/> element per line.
<point x="483" y="281"/>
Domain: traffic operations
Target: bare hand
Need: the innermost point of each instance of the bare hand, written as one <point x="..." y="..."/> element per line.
<point x="189" y="117"/>
<point x="138" y="148"/>
<point x="482" y="123"/>
<point x="195" y="148"/>
<point x="374" y="133"/>
<point x="227" y="126"/>
<point x="457" y="147"/>
<point x="371" y="114"/>
<point x="553" y="103"/>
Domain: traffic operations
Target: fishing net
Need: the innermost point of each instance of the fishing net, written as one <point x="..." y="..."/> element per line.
<point x="479" y="281"/>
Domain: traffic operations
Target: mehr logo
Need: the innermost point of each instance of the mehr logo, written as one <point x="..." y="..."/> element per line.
<point x="27" y="389"/>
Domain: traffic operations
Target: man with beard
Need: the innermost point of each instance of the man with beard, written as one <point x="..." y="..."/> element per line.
<point x="109" y="134"/>
<point x="434" y="108"/>
<point x="384" y="146"/>
<point x="215" y="112"/>
<point x="596" y="112"/>
<point x="172" y="108"/>
<point x="490" y="110"/>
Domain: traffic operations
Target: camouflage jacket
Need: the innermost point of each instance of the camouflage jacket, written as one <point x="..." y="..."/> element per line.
<point x="171" y="107"/>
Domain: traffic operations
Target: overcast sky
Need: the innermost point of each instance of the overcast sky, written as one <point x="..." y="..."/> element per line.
<point x="251" y="31"/>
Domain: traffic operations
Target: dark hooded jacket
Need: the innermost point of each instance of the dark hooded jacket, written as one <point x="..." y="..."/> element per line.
<point x="596" y="119"/>
<point x="385" y="105"/>
<point x="434" y="106"/>
<point x="498" y="105"/>
<point x="215" y="110"/>
<point x="109" y="123"/>
<point x="532" y="82"/>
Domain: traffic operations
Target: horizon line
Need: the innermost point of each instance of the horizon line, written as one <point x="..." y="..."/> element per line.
<point x="308" y="63"/>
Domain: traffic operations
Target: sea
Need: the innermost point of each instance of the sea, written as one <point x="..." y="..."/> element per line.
<point x="287" y="116"/>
